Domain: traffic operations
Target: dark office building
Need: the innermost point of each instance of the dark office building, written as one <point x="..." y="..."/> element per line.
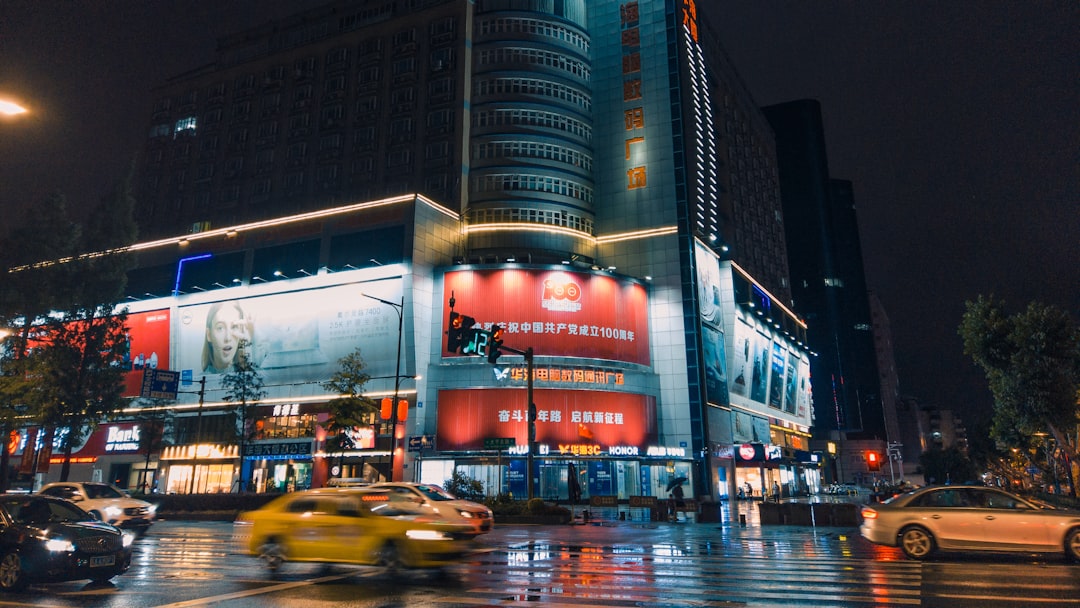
<point x="828" y="280"/>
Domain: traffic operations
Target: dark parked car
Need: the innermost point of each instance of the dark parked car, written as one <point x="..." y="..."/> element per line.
<point x="48" y="540"/>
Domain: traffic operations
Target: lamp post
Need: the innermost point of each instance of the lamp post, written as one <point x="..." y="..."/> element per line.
<point x="400" y="310"/>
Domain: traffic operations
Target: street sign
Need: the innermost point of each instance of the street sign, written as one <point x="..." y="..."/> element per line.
<point x="499" y="443"/>
<point x="419" y="443"/>
<point x="159" y="384"/>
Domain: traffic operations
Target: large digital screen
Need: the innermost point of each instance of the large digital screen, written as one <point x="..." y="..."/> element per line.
<point x="604" y="418"/>
<point x="147" y="347"/>
<point x="556" y="312"/>
<point x="293" y="337"/>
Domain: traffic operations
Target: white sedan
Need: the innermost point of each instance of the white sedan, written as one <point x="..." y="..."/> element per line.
<point x="970" y="518"/>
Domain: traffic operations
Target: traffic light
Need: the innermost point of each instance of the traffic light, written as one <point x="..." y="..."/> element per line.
<point x="473" y="341"/>
<point x="873" y="461"/>
<point x="458" y="330"/>
<point x="494" y="342"/>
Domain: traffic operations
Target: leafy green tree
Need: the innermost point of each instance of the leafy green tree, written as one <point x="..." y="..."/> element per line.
<point x="156" y="424"/>
<point x="243" y="385"/>
<point x="31" y="290"/>
<point x="949" y="465"/>
<point x="77" y="337"/>
<point x="350" y="408"/>
<point x="464" y="487"/>
<point x="1032" y="365"/>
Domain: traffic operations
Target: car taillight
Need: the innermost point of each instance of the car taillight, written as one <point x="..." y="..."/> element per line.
<point x="869" y="513"/>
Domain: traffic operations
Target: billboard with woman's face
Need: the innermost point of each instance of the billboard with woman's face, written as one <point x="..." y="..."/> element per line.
<point x="297" y="336"/>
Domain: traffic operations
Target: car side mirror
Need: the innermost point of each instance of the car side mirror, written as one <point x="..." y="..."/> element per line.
<point x="95" y="515"/>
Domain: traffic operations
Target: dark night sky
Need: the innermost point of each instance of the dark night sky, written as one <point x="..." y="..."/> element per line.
<point x="958" y="123"/>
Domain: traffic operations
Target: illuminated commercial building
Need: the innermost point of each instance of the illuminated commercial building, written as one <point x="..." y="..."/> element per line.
<point x="590" y="176"/>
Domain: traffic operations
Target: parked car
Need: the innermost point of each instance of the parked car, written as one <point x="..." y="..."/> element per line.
<point x="353" y="526"/>
<point x="45" y="540"/>
<point x="970" y="518"/>
<point x="106" y="501"/>
<point x="442" y="503"/>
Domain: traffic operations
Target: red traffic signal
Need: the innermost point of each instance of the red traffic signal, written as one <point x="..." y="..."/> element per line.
<point x="494" y="342"/>
<point x="873" y="461"/>
<point x="455" y="333"/>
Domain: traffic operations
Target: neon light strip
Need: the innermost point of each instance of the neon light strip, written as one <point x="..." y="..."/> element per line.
<point x="771" y="296"/>
<point x="302" y="217"/>
<point x="180" y="269"/>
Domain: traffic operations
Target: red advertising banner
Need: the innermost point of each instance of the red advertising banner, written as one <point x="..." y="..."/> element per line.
<point x="148" y="347"/>
<point x="604" y="418"/>
<point x="556" y="312"/>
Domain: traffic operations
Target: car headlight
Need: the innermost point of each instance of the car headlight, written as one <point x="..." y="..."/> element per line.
<point x="112" y="512"/>
<point x="426" y="535"/>
<point x="151" y="509"/>
<point x="60" y="545"/>
<point x="127" y="539"/>
<point x="467" y="514"/>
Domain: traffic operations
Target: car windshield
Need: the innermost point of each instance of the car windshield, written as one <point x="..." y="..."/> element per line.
<point x="38" y="512"/>
<point x="101" y="490"/>
<point x="435" y="493"/>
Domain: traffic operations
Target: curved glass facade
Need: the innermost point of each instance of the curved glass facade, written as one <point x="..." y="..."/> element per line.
<point x="531" y="155"/>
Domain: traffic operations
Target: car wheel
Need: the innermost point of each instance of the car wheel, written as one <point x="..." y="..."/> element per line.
<point x="1072" y="545"/>
<point x="273" y="554"/>
<point x="12" y="576"/>
<point x="390" y="558"/>
<point x="916" y="542"/>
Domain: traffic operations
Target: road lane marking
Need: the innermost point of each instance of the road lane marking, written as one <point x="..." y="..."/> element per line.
<point x="264" y="590"/>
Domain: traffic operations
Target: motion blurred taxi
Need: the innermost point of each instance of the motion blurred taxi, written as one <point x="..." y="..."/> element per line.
<point x="441" y="503"/>
<point x="351" y="526"/>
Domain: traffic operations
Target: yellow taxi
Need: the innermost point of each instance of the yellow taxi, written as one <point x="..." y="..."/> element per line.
<point x="351" y="526"/>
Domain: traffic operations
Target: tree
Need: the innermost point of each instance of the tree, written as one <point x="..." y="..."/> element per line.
<point x="31" y="290"/>
<point x="1032" y="365"/>
<point x="156" y="421"/>
<point x="243" y="384"/>
<point x="949" y="465"/>
<point x="350" y="408"/>
<point x="72" y="336"/>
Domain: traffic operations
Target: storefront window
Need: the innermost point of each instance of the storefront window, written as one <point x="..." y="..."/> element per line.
<point x="300" y="426"/>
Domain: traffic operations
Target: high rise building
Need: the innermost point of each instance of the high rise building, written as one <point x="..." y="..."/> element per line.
<point x="828" y="279"/>
<point x="591" y="177"/>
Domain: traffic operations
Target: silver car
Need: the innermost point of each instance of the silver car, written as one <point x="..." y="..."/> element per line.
<point x="438" y="501"/>
<point x="106" y="502"/>
<point x="970" y="518"/>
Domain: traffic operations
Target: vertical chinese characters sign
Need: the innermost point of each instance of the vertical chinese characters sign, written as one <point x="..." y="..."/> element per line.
<point x="633" y="110"/>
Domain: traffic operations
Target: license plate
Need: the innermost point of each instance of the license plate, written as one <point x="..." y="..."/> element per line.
<point x="102" y="560"/>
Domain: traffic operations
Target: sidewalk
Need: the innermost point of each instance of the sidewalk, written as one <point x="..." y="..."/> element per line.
<point x="727" y="513"/>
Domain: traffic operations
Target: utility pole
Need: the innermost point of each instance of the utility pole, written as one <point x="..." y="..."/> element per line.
<point x="198" y="435"/>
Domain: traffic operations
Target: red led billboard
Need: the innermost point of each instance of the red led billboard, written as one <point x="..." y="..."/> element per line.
<point x="556" y="312"/>
<point x="148" y="347"/>
<point x="604" y="418"/>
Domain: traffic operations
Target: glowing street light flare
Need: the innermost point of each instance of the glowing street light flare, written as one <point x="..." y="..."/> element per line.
<point x="10" y="108"/>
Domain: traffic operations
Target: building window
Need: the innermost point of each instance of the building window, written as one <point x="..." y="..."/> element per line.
<point x="185" y="126"/>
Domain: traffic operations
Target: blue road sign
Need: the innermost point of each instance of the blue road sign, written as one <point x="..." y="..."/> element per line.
<point x="159" y="384"/>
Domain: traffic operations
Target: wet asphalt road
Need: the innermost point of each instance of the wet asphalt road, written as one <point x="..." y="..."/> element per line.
<point x="180" y="564"/>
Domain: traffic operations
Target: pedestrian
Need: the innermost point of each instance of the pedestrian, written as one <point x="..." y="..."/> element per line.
<point x="776" y="491"/>
<point x="679" y="503"/>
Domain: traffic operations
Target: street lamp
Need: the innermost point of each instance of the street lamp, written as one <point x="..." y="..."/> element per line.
<point x="10" y="108"/>
<point x="400" y="310"/>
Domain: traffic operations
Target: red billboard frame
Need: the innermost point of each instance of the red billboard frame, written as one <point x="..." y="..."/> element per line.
<point x="556" y="312"/>
<point x="468" y="416"/>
